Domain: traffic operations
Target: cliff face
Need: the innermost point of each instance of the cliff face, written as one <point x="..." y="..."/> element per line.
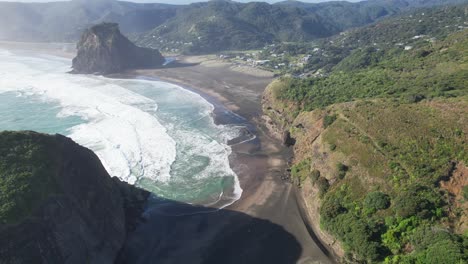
<point x="59" y="205"/>
<point x="103" y="49"/>
<point x="410" y="157"/>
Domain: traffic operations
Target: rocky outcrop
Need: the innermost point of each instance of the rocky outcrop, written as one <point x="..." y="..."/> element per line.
<point x="278" y="115"/>
<point x="68" y="209"/>
<point x="102" y="49"/>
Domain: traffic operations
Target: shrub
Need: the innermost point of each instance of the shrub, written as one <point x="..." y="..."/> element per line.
<point x="300" y="171"/>
<point x="342" y="170"/>
<point x="331" y="208"/>
<point x="395" y="234"/>
<point x="465" y="192"/>
<point x="418" y="200"/>
<point x="357" y="237"/>
<point x="332" y="147"/>
<point x="328" y="120"/>
<point x="314" y="176"/>
<point x="415" y="98"/>
<point x="437" y="245"/>
<point x="323" y="186"/>
<point x="375" y="201"/>
<point x="443" y="252"/>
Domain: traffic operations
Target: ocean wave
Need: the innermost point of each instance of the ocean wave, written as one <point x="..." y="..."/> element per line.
<point x="130" y="142"/>
<point x="196" y="135"/>
<point x="125" y="128"/>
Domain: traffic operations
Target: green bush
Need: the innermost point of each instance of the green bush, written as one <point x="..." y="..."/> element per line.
<point x="331" y="208"/>
<point x="357" y="236"/>
<point x="435" y="244"/>
<point x="342" y="170"/>
<point x="328" y="120"/>
<point x="443" y="252"/>
<point x="465" y="192"/>
<point x="300" y="171"/>
<point x="314" y="176"/>
<point x="419" y="201"/>
<point x="375" y="201"/>
<point x="323" y="186"/>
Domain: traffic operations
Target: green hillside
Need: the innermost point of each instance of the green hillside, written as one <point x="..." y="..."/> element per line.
<point x="382" y="141"/>
<point x="437" y="69"/>
<point x="227" y="25"/>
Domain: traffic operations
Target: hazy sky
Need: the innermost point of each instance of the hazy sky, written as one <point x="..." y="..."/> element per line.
<point x="177" y="1"/>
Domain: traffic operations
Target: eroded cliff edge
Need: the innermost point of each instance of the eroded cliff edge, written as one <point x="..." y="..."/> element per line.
<point x="102" y="49"/>
<point x="380" y="179"/>
<point x="58" y="203"/>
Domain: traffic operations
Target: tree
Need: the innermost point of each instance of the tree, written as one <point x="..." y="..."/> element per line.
<point x="375" y="201"/>
<point x="323" y="186"/>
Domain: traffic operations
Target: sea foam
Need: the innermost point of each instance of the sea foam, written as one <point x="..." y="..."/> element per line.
<point x="122" y="124"/>
<point x="130" y="142"/>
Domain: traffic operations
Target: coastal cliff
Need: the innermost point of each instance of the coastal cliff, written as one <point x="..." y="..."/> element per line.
<point x="102" y="49"/>
<point x="383" y="177"/>
<point x="59" y="205"/>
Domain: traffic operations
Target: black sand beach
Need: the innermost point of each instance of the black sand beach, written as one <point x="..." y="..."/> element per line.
<point x="267" y="225"/>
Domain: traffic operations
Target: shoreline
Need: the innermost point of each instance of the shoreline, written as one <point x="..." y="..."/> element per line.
<point x="259" y="164"/>
<point x="263" y="189"/>
<point x="250" y="160"/>
<point x="224" y="113"/>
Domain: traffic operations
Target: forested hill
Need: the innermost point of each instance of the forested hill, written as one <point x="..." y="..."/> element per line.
<point x="228" y="25"/>
<point x="196" y="28"/>
<point x="359" y="47"/>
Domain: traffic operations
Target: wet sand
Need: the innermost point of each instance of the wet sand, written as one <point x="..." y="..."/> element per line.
<point x="260" y="164"/>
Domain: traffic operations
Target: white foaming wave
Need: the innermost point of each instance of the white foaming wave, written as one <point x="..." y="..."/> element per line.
<point x="5" y="52"/>
<point x="214" y="146"/>
<point x="217" y="149"/>
<point x="130" y="142"/>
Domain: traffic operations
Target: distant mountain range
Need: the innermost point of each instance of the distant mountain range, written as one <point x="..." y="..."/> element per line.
<point x="199" y="27"/>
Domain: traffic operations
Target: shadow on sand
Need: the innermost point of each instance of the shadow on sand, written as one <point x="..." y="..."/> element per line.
<point x="176" y="233"/>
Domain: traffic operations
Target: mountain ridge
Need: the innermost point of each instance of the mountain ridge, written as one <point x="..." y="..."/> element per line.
<point x="237" y="24"/>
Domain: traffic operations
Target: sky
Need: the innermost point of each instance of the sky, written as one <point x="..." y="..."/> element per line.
<point x="176" y="1"/>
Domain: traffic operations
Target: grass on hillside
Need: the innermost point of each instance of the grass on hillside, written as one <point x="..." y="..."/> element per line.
<point x="388" y="206"/>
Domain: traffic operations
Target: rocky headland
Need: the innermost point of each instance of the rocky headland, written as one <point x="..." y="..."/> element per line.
<point x="102" y="49"/>
<point x="58" y="203"/>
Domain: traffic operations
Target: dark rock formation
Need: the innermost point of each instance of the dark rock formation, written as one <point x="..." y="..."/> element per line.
<point x="81" y="216"/>
<point x="102" y="49"/>
<point x="288" y="141"/>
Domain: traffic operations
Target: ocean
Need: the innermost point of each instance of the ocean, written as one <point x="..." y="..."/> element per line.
<point x="153" y="134"/>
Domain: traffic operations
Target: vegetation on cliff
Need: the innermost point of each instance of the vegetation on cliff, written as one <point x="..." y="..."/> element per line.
<point x="28" y="165"/>
<point x="382" y="148"/>
<point x="399" y="156"/>
<point x="58" y="204"/>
